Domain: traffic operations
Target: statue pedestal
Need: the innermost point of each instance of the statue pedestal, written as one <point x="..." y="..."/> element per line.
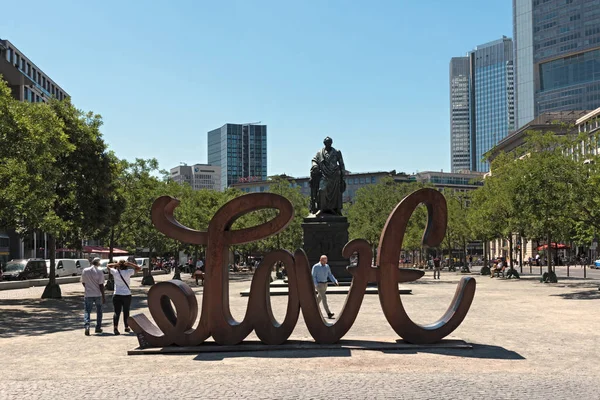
<point x="327" y="234"/>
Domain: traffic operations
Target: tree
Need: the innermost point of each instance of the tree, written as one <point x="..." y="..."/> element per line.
<point x="84" y="176"/>
<point x="545" y="177"/>
<point x="55" y="172"/>
<point x="372" y="206"/>
<point x="31" y="140"/>
<point x="458" y="230"/>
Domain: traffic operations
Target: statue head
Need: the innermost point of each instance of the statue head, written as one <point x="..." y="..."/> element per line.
<point x="328" y="142"/>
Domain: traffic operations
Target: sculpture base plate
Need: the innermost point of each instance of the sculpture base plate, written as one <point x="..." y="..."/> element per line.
<point x="295" y="345"/>
<point x="279" y="288"/>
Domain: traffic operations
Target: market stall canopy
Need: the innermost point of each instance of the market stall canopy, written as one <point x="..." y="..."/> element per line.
<point x="554" y="246"/>
<point x="103" y="250"/>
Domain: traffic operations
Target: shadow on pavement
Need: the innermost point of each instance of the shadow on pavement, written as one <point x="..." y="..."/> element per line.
<point x="32" y="317"/>
<point x="593" y="294"/>
<point x="305" y="353"/>
<point x="476" y="351"/>
<point x="481" y="351"/>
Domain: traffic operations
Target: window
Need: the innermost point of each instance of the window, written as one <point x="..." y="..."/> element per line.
<point x="8" y="55"/>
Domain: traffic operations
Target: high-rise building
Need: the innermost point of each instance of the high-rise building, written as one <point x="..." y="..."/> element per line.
<point x="241" y="152"/>
<point x="460" y="142"/>
<point x="198" y="176"/>
<point x="557" y="56"/>
<point x="27" y="82"/>
<point x="491" y="98"/>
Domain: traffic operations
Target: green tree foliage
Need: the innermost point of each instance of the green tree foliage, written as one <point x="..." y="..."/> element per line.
<point x="32" y="139"/>
<point x="372" y="206"/>
<point x="458" y="229"/>
<point x="532" y="192"/>
<point x="56" y="172"/>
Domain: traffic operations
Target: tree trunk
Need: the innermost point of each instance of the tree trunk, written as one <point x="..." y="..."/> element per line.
<point x="549" y="252"/>
<point x="177" y="273"/>
<point x="485" y="253"/>
<point x="148" y="279"/>
<point x="111" y="244"/>
<point x="374" y="255"/>
<point x="521" y="253"/>
<point x="510" y="250"/>
<point x="52" y="290"/>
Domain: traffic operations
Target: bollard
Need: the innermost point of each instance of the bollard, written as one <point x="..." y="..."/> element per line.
<point x="584" y="271"/>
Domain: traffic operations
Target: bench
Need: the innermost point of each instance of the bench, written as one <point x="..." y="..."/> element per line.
<point x="497" y="272"/>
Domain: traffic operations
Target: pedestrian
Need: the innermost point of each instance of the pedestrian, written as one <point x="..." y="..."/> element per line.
<point x="199" y="272"/>
<point x="321" y="273"/>
<point x="436" y="268"/>
<point x="92" y="280"/>
<point x="199" y="265"/>
<point x="121" y="273"/>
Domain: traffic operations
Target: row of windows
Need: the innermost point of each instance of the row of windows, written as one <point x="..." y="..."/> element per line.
<point x="22" y="64"/>
<point x="581" y="68"/>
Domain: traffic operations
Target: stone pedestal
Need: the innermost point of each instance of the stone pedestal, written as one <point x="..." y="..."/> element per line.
<point x="327" y="234"/>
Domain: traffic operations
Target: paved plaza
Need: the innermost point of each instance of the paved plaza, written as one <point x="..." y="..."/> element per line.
<point x="530" y="341"/>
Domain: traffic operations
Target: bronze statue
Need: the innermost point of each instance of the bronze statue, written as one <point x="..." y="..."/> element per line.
<point x="327" y="181"/>
<point x="176" y="326"/>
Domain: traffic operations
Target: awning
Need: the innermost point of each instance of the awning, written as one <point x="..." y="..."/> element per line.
<point x="103" y="250"/>
<point x="554" y="246"/>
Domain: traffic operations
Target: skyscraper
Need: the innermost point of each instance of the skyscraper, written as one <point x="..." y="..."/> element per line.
<point x="460" y="142"/>
<point x="241" y="152"/>
<point x="557" y="56"/>
<point x="491" y="98"/>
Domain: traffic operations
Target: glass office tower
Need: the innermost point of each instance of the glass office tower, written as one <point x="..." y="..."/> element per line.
<point x="557" y="56"/>
<point x="241" y="152"/>
<point x="460" y="142"/>
<point x="491" y="98"/>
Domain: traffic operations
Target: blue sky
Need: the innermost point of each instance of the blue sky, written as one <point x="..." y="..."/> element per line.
<point x="372" y="75"/>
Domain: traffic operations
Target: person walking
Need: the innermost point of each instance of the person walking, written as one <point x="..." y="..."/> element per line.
<point x="436" y="268"/>
<point x="92" y="280"/>
<point x="121" y="273"/>
<point x="321" y="273"/>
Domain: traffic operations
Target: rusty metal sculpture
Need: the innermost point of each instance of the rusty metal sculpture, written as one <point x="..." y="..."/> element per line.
<point x="175" y="327"/>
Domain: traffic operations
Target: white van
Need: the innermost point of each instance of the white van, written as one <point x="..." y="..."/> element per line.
<point x="143" y="262"/>
<point x="64" y="267"/>
<point x="81" y="264"/>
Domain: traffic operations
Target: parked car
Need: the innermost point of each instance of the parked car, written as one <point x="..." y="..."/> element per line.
<point x="81" y="264"/>
<point x="143" y="262"/>
<point x="32" y="268"/>
<point x="103" y="266"/>
<point x="596" y="264"/>
<point x="63" y="267"/>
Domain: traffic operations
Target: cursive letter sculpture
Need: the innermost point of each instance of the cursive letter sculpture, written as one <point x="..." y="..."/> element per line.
<point x="175" y="327"/>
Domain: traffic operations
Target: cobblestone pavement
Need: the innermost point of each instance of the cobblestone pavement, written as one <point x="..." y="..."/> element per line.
<point x="531" y="341"/>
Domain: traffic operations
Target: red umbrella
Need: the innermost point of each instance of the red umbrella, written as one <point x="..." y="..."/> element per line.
<point x="554" y="246"/>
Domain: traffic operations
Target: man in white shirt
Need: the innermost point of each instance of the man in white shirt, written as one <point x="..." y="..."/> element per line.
<point x="321" y="273"/>
<point x="92" y="280"/>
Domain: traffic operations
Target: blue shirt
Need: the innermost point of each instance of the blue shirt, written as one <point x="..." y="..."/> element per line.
<point x="321" y="273"/>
